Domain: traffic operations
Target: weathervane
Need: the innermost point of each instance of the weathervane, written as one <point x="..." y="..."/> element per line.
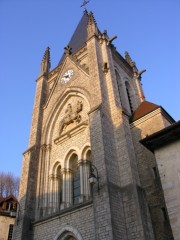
<point x="85" y="3"/>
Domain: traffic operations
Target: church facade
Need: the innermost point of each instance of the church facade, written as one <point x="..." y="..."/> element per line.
<point x="85" y="175"/>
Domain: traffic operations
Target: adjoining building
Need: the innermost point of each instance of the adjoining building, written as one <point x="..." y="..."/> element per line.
<point x="85" y="174"/>
<point x="8" y="210"/>
<point x="165" y="144"/>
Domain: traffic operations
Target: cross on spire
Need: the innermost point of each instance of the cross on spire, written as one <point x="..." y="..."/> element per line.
<point x="85" y="3"/>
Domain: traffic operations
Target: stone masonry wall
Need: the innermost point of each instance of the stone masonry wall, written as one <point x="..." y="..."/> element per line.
<point x="5" y="221"/>
<point x="167" y="159"/>
<point x="81" y="219"/>
<point x="147" y="167"/>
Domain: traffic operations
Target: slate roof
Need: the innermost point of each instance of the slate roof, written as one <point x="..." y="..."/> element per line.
<point x="143" y="109"/>
<point x="80" y="35"/>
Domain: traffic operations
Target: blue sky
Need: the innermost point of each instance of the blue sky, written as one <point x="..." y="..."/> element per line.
<point x="148" y="29"/>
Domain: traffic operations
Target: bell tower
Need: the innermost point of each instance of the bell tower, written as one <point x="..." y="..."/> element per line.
<point x="81" y="129"/>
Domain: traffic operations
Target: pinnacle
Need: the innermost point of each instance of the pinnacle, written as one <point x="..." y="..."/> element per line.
<point x="85" y="11"/>
<point x="91" y="19"/>
<point x="128" y="59"/>
<point x="46" y="63"/>
<point x="47" y="54"/>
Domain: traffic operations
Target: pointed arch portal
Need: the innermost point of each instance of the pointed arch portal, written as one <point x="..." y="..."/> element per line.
<point x="68" y="233"/>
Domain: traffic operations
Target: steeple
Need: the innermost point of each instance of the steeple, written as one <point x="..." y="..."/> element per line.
<point x="86" y="28"/>
<point x="45" y="64"/>
<point x="79" y="37"/>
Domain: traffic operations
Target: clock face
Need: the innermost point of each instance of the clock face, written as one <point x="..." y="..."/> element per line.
<point x="67" y="76"/>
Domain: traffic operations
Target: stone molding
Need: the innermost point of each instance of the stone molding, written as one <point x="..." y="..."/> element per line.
<point x="71" y="133"/>
<point x="70" y="229"/>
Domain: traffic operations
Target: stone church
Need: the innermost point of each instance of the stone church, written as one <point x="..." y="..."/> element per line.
<point x="85" y="174"/>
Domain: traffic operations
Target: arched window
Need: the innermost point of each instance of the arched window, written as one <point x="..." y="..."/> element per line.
<point x="129" y="96"/>
<point x="67" y="236"/>
<point x="88" y="155"/>
<point x="70" y="238"/>
<point x="70" y="185"/>
<point x="59" y="180"/>
<point x="87" y="173"/>
<point x="75" y="179"/>
<point x="55" y="196"/>
<point x="68" y="233"/>
<point x="121" y="90"/>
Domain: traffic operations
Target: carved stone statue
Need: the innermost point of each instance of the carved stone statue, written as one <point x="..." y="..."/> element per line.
<point x="71" y="116"/>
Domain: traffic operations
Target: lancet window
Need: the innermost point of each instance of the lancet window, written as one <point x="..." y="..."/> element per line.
<point x="129" y="96"/>
<point x="69" y="185"/>
<point x="55" y="195"/>
<point x="124" y="93"/>
<point x="75" y="179"/>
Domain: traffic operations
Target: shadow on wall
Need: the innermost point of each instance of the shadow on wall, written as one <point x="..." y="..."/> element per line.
<point x="60" y="224"/>
<point x="151" y="183"/>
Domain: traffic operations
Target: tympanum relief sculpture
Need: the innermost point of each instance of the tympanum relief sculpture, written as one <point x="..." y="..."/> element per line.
<point x="71" y="116"/>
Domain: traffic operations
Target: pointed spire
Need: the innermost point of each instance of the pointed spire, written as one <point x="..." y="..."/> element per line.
<point x="92" y="26"/>
<point x="45" y="64"/>
<point x="86" y="28"/>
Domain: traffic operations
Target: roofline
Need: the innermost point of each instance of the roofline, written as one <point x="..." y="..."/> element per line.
<point x="162" y="137"/>
<point x="158" y="107"/>
<point x="10" y="196"/>
<point x="169" y="116"/>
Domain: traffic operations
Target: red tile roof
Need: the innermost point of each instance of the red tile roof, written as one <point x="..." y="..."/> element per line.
<point x="143" y="109"/>
<point x="8" y="198"/>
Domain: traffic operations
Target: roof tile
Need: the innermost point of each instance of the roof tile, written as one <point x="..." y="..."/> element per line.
<point x="143" y="109"/>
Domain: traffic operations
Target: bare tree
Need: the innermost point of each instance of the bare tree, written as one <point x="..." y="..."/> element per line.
<point x="2" y="184"/>
<point x="9" y="184"/>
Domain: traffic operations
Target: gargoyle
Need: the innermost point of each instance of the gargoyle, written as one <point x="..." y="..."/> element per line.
<point x="139" y="73"/>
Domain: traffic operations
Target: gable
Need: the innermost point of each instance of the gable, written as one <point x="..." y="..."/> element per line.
<point x="58" y="82"/>
<point x="53" y="122"/>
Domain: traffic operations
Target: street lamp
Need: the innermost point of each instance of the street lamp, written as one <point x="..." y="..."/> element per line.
<point x="93" y="176"/>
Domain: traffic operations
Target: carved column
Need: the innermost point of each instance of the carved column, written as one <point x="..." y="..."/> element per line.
<point x="86" y="180"/>
<point x="64" y="188"/>
<point x="80" y="164"/>
<point x="56" y="192"/>
<point x="46" y="174"/>
<point x="69" y="176"/>
<point x="51" y="199"/>
<point x="40" y="187"/>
